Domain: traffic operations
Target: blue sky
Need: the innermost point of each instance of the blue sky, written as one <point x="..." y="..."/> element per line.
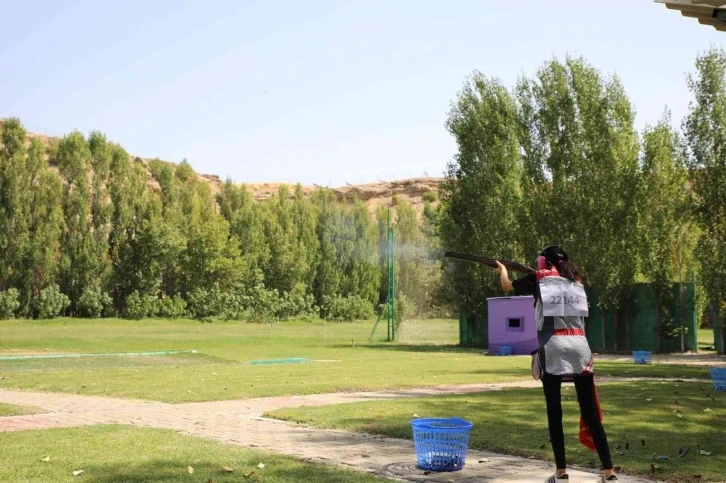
<point x="319" y="92"/>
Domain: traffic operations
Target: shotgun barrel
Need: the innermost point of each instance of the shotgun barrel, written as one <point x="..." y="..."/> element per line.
<point x="489" y="262"/>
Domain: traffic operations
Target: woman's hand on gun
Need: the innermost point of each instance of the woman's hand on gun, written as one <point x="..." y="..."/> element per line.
<point x="501" y="270"/>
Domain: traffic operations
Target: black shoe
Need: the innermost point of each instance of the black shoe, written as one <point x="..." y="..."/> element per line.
<point x="556" y="479"/>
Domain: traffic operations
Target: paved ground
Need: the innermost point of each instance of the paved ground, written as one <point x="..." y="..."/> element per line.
<point x="241" y="422"/>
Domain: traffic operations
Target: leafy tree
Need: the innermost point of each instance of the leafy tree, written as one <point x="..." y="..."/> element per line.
<point x="416" y="270"/>
<point x="211" y="256"/>
<point x="329" y="277"/>
<point x="163" y="173"/>
<point x="667" y="232"/>
<point x="705" y="131"/>
<point x="46" y="225"/>
<point x="15" y="186"/>
<point x="361" y="267"/>
<point x="304" y="219"/>
<point x="580" y="159"/>
<point x="288" y="262"/>
<point x="80" y="265"/>
<point x="30" y="216"/>
<point x="481" y="193"/>
<point x="101" y="208"/>
<point x="245" y="218"/>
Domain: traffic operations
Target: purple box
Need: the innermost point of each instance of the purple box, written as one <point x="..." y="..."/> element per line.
<point x="512" y="322"/>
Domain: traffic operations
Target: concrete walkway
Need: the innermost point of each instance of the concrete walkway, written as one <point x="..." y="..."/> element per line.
<point x="241" y="422"/>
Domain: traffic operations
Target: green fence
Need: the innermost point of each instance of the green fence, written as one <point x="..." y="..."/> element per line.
<point x="473" y="330"/>
<point x="633" y="327"/>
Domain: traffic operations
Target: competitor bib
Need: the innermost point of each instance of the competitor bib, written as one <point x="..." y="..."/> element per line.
<point x="564" y="300"/>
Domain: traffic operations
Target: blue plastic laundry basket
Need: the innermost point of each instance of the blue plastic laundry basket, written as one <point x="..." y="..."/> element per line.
<point x="441" y="444"/>
<point x="718" y="376"/>
<point x="505" y="350"/>
<point x="641" y="357"/>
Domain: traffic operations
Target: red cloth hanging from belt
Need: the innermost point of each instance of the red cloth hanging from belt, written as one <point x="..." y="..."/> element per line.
<point x="585" y="436"/>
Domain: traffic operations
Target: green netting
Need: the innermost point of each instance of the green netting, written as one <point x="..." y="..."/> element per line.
<point x="292" y="360"/>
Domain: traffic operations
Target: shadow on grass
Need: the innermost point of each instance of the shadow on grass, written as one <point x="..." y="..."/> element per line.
<point x="514" y="422"/>
<point x="168" y="470"/>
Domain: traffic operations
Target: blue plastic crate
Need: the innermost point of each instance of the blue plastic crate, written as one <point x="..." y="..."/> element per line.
<point x="718" y="376"/>
<point x="441" y="444"/>
<point x="505" y="350"/>
<point x="642" y="357"/>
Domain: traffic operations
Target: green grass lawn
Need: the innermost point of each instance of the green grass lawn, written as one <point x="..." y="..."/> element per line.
<point x="13" y="410"/>
<point x="624" y="369"/>
<point x="222" y="370"/>
<point x="111" y="454"/>
<point x="706" y="341"/>
<point x="514" y="422"/>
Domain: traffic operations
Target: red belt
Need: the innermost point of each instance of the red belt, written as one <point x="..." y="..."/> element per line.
<point x="569" y="332"/>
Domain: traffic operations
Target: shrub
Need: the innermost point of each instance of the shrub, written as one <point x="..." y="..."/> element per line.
<point x="50" y="303"/>
<point x="431" y="196"/>
<point x="171" y="307"/>
<point x="261" y="304"/>
<point x="93" y="302"/>
<point x="139" y="306"/>
<point x="9" y="303"/>
<point x="207" y="302"/>
<point x="346" y="308"/>
<point x="296" y="303"/>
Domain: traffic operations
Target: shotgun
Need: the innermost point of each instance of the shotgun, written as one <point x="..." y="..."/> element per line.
<point x="489" y="262"/>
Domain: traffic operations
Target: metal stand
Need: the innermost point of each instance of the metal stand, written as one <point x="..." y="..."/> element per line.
<point x="390" y="305"/>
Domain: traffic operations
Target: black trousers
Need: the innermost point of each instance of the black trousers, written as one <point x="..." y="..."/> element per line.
<point x="585" y="387"/>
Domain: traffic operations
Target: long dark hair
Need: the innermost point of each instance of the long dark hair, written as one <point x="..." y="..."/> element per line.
<point x="570" y="271"/>
<point x="559" y="260"/>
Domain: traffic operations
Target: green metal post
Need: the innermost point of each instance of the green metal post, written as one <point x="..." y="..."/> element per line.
<point x="375" y="326"/>
<point x="390" y="305"/>
<point x="388" y="262"/>
<point x="390" y="285"/>
<point x="393" y="282"/>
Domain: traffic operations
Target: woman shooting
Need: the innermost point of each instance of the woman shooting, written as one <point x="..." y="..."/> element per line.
<point x="564" y="353"/>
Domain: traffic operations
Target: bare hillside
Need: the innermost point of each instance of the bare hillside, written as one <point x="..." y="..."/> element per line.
<point x="372" y="194"/>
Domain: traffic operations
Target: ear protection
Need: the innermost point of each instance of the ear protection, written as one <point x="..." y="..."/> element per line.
<point x="541" y="263"/>
<point x="554" y="252"/>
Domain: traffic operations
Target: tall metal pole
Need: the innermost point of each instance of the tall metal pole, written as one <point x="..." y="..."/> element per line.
<point x="388" y="296"/>
<point x="393" y="282"/>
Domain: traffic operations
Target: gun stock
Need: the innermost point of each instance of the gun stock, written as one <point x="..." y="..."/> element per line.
<point x="489" y="262"/>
